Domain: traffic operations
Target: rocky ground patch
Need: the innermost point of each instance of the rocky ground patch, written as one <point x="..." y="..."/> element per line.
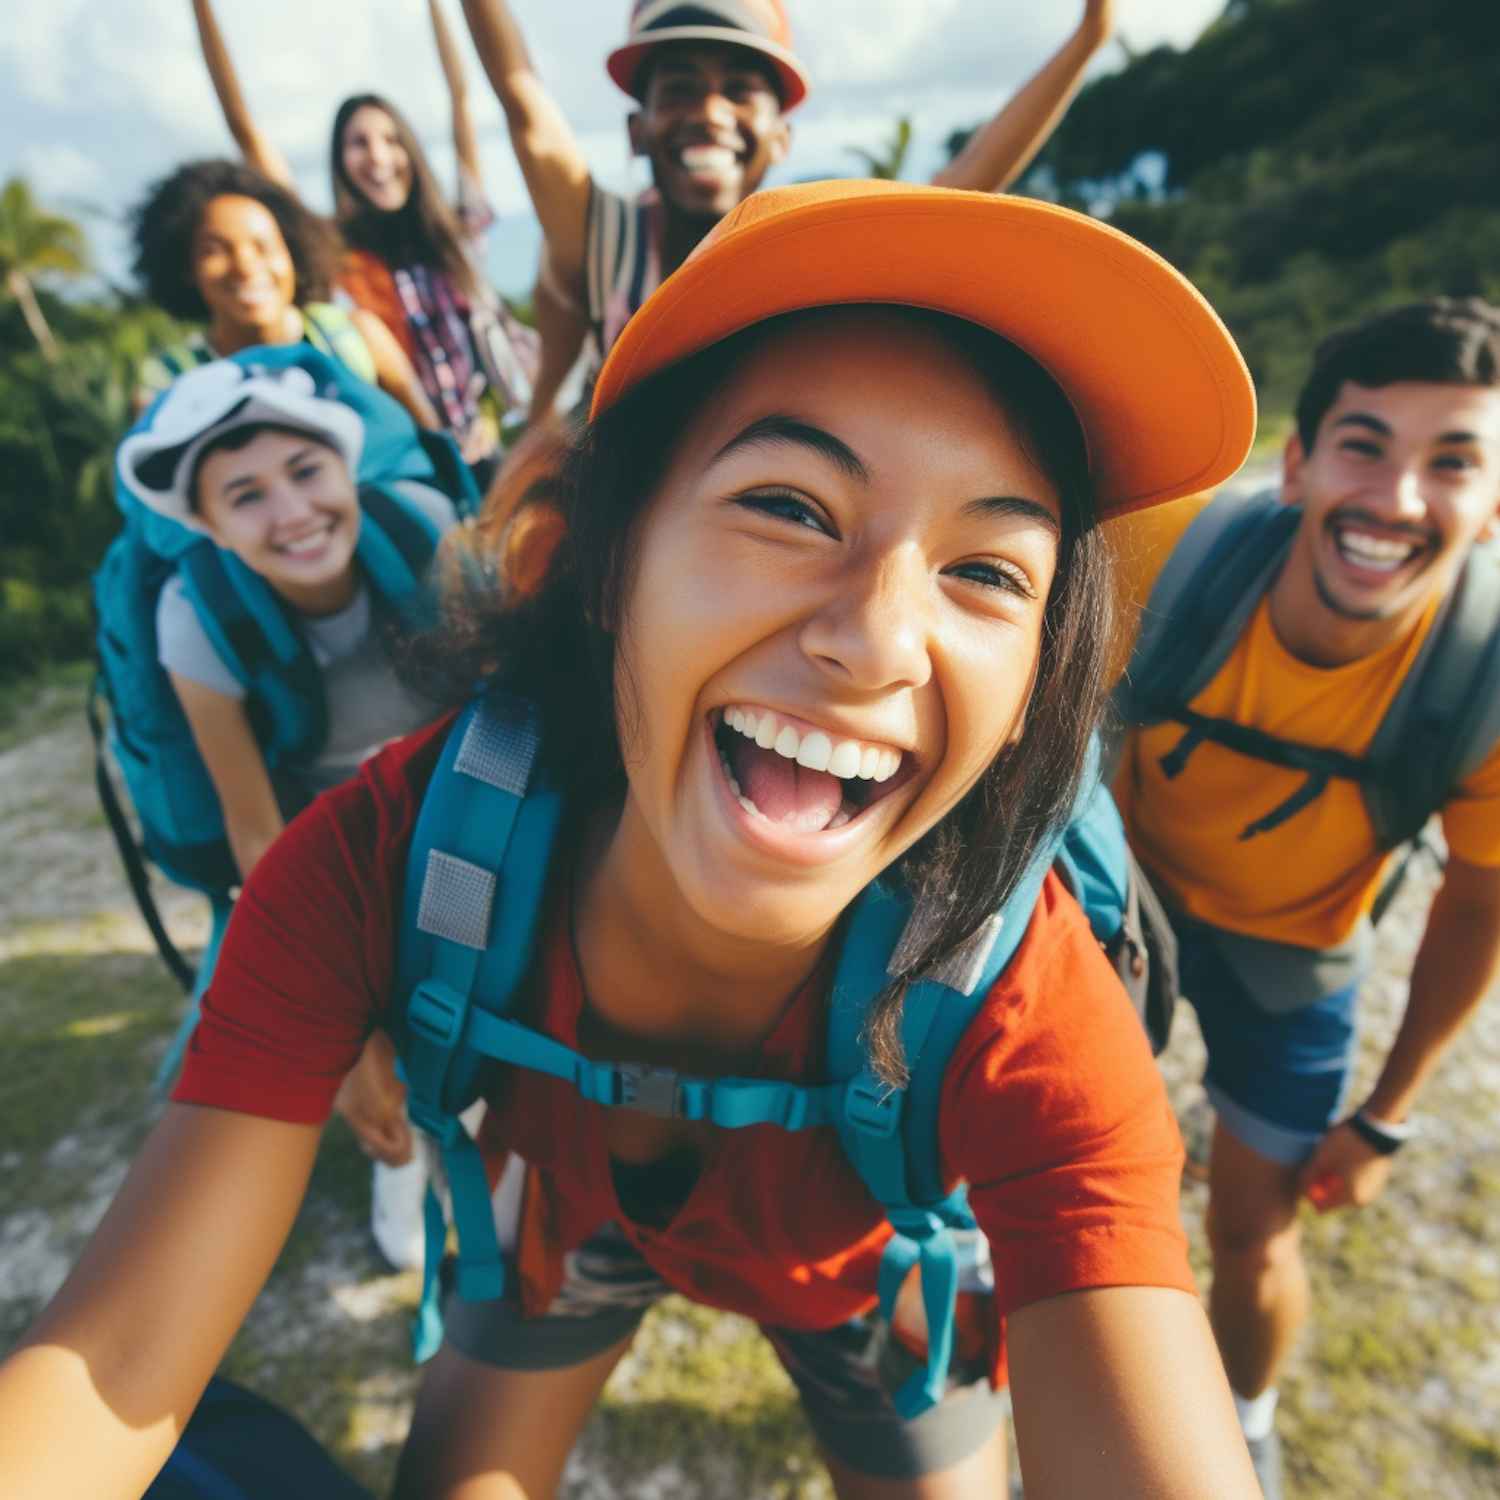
<point x="1394" y="1393"/>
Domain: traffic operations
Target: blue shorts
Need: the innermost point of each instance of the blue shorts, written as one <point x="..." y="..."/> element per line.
<point x="1277" y="1082"/>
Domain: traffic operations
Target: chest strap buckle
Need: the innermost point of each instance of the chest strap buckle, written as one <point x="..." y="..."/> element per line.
<point x="653" y="1091"/>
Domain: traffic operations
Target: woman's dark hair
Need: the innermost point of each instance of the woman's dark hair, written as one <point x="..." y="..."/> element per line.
<point x="424" y="231"/>
<point x="1444" y="341"/>
<point x="165" y="221"/>
<point x="550" y="646"/>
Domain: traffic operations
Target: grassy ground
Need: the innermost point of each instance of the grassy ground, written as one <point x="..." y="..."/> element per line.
<point x="1393" y="1393"/>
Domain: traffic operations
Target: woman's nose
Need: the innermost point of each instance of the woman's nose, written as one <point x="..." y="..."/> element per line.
<point x="874" y="629"/>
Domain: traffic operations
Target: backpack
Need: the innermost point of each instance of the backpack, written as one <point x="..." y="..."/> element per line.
<point x="237" y="1446"/>
<point x="1441" y="726"/>
<point x="475" y="879"/>
<point x="254" y="632"/>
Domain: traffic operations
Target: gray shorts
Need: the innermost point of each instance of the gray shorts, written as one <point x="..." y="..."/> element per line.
<point x="607" y="1291"/>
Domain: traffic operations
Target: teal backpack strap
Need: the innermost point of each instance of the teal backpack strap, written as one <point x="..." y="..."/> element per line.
<point x="396" y="543"/>
<point x="259" y="644"/>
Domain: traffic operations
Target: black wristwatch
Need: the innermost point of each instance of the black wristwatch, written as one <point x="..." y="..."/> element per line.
<point x="1380" y="1135"/>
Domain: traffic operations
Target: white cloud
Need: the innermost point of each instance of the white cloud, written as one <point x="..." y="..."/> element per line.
<point x="100" y="96"/>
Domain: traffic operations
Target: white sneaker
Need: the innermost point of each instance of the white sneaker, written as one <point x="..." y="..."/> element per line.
<point x="397" y="1196"/>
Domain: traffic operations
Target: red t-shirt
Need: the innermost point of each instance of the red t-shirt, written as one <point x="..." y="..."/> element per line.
<point x="1053" y="1110"/>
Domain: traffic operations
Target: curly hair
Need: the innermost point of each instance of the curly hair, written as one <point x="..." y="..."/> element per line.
<point x="546" y="645"/>
<point x="164" y="221"/>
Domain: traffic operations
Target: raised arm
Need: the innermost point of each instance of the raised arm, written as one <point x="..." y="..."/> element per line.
<point x="998" y="152"/>
<point x="95" y="1396"/>
<point x="465" y="142"/>
<point x="557" y="176"/>
<point x="255" y="145"/>
<point x="1119" y="1391"/>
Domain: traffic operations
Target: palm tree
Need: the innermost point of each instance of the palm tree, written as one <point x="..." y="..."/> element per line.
<point x="32" y="242"/>
<point x="888" y="165"/>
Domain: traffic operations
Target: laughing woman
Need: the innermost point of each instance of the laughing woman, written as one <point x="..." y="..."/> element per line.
<point x="414" y="260"/>
<point x="831" y="605"/>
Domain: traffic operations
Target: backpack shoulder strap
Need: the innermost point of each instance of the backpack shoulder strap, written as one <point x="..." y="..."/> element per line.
<point x="396" y="542"/>
<point x="259" y="645"/>
<point x="1202" y="600"/>
<point x="1445" y="720"/>
<point x="330" y="330"/>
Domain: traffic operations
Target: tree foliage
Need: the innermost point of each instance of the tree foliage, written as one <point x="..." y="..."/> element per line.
<point x="60" y="421"/>
<point x="1318" y="160"/>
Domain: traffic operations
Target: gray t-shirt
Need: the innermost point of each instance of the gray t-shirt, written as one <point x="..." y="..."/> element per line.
<point x="368" y="703"/>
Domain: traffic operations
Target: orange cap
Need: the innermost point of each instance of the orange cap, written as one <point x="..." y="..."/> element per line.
<point x="1166" y="403"/>
<point x="760" y="25"/>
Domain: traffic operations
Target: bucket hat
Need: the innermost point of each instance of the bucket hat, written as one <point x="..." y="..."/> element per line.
<point x="158" y="460"/>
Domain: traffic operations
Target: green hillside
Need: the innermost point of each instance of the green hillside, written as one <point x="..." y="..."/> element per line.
<point x="1305" y="162"/>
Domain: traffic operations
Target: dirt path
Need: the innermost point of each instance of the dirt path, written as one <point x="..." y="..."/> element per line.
<point x="1394" y="1392"/>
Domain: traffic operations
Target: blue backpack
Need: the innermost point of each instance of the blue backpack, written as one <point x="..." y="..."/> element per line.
<point x="257" y="636"/>
<point x="475" y="880"/>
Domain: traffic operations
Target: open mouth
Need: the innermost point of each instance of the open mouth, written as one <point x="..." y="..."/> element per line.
<point x="799" y="777"/>
<point x="1374" y="551"/>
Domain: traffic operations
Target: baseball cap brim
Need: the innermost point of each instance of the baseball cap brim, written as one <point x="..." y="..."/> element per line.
<point x="1166" y="403"/>
<point x="624" y="63"/>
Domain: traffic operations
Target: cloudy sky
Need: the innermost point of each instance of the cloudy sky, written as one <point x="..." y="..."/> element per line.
<point x="98" y="97"/>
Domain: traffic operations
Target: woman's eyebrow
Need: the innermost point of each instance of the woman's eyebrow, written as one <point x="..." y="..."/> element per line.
<point x="783" y="429"/>
<point x="1014" y="505"/>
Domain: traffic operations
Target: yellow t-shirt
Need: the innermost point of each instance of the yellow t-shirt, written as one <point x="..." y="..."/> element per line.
<point x="1309" y="880"/>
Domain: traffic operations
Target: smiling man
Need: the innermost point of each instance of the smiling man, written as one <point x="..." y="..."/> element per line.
<point x="714" y="81"/>
<point x="1314" y="680"/>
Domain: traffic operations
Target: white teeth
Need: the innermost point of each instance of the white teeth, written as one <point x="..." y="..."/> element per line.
<point x="706" y="158"/>
<point x="814" y="752"/>
<point x="751" y="808"/>
<point x="306" y="543"/>
<point x="1374" y="551"/>
<point x="844" y="762"/>
<point x="839" y="819"/>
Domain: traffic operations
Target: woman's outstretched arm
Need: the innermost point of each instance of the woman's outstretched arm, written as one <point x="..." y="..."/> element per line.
<point x="255" y="145"/>
<point x="998" y="152"/>
<point x="95" y="1396"/>
<point x="465" y="142"/>
<point x="1119" y="1391"/>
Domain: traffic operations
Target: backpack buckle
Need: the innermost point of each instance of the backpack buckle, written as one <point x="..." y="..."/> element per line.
<point x="653" y="1091"/>
<point x="872" y="1106"/>
<point x="436" y="1012"/>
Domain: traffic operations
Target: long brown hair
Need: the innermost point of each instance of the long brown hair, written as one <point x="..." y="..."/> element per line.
<point x="424" y="231"/>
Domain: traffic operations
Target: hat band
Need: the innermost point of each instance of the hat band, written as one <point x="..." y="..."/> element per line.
<point x="694" y="15"/>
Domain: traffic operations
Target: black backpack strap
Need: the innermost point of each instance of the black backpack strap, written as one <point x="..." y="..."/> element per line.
<point x="1320" y="765"/>
<point x="1445" y="720"/>
<point x="1202" y="600"/>
<point x="130" y="852"/>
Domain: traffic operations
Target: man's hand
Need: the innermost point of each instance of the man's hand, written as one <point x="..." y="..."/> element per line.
<point x="1344" y="1172"/>
<point x="373" y="1100"/>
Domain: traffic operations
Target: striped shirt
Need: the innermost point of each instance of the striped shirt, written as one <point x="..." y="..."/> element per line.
<point x="622" y="259"/>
